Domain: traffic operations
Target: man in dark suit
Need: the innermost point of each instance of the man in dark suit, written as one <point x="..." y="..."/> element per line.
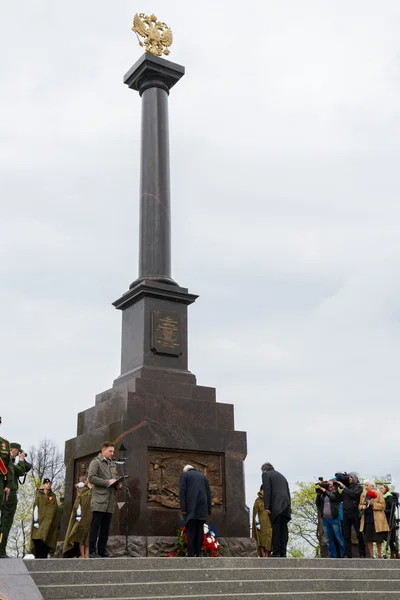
<point x="277" y="503"/>
<point x="195" y="500"/>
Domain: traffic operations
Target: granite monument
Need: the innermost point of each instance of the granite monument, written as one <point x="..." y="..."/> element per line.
<point x="155" y="411"/>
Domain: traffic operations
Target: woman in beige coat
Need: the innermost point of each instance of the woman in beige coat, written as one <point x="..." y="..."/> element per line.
<point x="373" y="519"/>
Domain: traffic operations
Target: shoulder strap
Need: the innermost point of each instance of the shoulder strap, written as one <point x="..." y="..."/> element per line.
<point x="3" y="468"/>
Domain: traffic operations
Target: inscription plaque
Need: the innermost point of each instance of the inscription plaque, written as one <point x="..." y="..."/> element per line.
<point x="165" y="468"/>
<point x="166" y="333"/>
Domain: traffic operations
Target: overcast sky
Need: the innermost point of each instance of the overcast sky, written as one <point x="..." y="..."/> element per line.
<point x="285" y="204"/>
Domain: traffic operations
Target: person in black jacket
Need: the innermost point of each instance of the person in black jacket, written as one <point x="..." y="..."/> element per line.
<point x="277" y="503"/>
<point x="390" y="512"/>
<point x="327" y="501"/>
<point x="195" y="501"/>
<point x="351" y="515"/>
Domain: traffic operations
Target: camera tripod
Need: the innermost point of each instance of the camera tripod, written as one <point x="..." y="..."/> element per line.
<point x="392" y="541"/>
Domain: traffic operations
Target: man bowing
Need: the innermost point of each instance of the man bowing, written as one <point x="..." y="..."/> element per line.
<point x="195" y="500"/>
<point x="277" y="503"/>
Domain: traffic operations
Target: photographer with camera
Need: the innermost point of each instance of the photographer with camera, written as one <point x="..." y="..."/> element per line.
<point x="351" y="491"/>
<point x="327" y="501"/>
<point x="391" y="502"/>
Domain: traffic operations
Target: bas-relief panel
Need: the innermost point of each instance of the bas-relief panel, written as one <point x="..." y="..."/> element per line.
<point x="165" y="468"/>
<point x="82" y="466"/>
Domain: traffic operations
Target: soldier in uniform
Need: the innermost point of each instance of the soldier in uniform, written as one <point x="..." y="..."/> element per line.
<point x="44" y="522"/>
<point x="5" y="475"/>
<point x="20" y="467"/>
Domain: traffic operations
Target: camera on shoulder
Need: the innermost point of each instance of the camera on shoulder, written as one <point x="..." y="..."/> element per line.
<point x="343" y="478"/>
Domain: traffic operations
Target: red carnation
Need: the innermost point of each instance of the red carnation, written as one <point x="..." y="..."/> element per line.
<point x="372" y="494"/>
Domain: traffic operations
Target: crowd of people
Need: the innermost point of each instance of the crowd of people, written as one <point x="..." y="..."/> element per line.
<point x="346" y="505"/>
<point x="91" y="515"/>
<point x="341" y="505"/>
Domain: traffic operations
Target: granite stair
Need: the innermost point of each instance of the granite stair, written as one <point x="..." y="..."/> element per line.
<point x="225" y="578"/>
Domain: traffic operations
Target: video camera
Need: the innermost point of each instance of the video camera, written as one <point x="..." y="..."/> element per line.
<point x="343" y="478"/>
<point x="321" y="483"/>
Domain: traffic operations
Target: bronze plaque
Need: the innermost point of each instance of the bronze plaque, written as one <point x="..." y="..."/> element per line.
<point x="165" y="468"/>
<point x="166" y="333"/>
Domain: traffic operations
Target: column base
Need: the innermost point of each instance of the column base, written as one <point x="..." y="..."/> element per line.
<point x="153" y="278"/>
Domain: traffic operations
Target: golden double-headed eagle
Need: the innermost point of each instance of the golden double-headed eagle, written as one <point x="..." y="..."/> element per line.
<point x="157" y="36"/>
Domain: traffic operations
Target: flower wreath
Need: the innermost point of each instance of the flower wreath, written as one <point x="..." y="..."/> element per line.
<point x="211" y="544"/>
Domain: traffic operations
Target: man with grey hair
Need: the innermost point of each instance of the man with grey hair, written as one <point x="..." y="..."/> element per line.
<point x="277" y="503"/>
<point x="195" y="501"/>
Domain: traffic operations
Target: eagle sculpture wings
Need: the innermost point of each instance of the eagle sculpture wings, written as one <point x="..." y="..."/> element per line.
<point x="157" y="36"/>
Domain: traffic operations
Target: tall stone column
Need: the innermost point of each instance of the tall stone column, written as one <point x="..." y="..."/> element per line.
<point x="154" y="319"/>
<point x="153" y="78"/>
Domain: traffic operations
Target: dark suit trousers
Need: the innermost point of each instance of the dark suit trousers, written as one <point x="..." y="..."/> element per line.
<point x="99" y="528"/>
<point x="41" y="549"/>
<point x="352" y="519"/>
<point x="195" y="534"/>
<point x="280" y="535"/>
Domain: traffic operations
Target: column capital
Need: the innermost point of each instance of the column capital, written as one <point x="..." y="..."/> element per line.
<point x="153" y="71"/>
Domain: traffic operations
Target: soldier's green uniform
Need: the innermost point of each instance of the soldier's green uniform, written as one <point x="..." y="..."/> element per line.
<point x="18" y="469"/>
<point x="5" y="476"/>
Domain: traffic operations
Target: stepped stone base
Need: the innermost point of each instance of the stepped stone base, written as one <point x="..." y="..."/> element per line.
<point x="209" y="578"/>
<point x="140" y="546"/>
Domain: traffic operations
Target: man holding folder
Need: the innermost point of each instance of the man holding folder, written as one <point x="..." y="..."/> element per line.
<point x="103" y="476"/>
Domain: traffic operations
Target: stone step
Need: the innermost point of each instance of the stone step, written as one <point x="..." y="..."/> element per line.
<point x="201" y="587"/>
<point x="352" y="595"/>
<point x="125" y="563"/>
<point x="105" y="576"/>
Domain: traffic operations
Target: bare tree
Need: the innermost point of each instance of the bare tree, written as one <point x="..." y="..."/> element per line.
<point x="47" y="461"/>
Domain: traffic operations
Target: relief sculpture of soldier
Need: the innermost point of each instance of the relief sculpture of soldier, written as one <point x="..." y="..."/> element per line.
<point x="164" y="470"/>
